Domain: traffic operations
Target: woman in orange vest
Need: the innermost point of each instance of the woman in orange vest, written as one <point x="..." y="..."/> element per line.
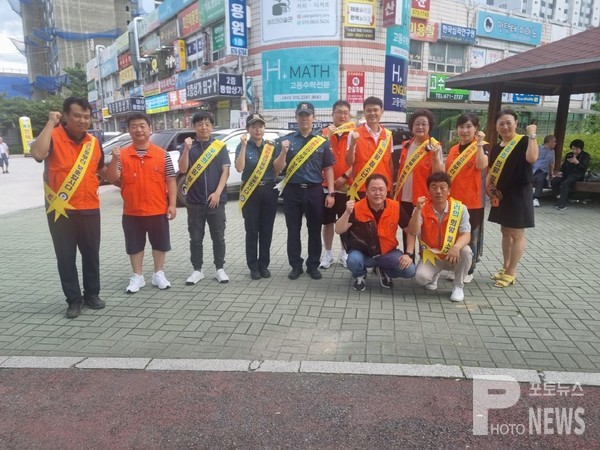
<point x="467" y="165"/>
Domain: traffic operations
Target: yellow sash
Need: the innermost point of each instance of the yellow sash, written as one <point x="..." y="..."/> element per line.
<point x="300" y="158"/>
<point x="257" y="174"/>
<point x="455" y="215"/>
<point x="462" y="159"/>
<point x="59" y="201"/>
<point x="416" y="158"/>
<point x="201" y="164"/>
<point x="345" y="128"/>
<point x="370" y="166"/>
<point x="498" y="166"/>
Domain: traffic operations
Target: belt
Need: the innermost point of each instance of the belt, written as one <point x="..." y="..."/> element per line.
<point x="266" y="183"/>
<point x="305" y="185"/>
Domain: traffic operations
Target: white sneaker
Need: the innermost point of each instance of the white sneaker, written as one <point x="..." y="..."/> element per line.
<point x="468" y="278"/>
<point x="196" y="276"/>
<point x="136" y="282"/>
<point x="159" y="280"/>
<point x="450" y="275"/>
<point x="432" y="285"/>
<point x="536" y="203"/>
<point x="457" y="295"/>
<point x="343" y="258"/>
<point x="326" y="260"/>
<point x="221" y="276"/>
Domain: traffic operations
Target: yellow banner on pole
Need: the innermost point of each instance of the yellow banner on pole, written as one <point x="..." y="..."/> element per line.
<point x="26" y="134"/>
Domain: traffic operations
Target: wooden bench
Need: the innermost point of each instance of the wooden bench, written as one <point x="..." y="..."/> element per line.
<point x="586" y="186"/>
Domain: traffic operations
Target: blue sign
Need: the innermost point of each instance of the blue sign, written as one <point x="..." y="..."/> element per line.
<point x="497" y="26"/>
<point x="182" y="78"/>
<point x="396" y="73"/>
<point x="294" y="75"/>
<point x="249" y="91"/>
<point x="169" y="8"/>
<point x="157" y="103"/>
<point x="237" y="32"/>
<point x="529" y="99"/>
<point x="457" y="34"/>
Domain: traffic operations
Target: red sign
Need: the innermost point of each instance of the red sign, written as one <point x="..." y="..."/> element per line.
<point x="178" y="100"/>
<point x="168" y="84"/>
<point x="189" y="20"/>
<point x="391" y="8"/>
<point x="421" y="30"/>
<point x="124" y="60"/>
<point x="420" y="9"/>
<point x="355" y="87"/>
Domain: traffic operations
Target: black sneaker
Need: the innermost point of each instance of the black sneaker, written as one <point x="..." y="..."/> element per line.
<point x="74" y="310"/>
<point x="265" y="273"/>
<point x="560" y="207"/>
<point x="295" y="273"/>
<point x="315" y="274"/>
<point x="384" y="279"/>
<point x="93" y="302"/>
<point x="359" y="284"/>
<point x="255" y="274"/>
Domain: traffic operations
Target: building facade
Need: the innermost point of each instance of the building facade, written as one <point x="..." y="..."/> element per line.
<point x="579" y="13"/>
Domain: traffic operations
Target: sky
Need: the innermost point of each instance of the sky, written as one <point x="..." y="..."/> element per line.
<point x="10" y="58"/>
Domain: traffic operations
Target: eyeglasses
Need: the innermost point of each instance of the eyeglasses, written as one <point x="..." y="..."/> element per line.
<point x="340" y="112"/>
<point x="138" y="127"/>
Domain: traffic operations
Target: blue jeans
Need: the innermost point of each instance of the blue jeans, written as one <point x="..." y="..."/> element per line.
<point x="358" y="263"/>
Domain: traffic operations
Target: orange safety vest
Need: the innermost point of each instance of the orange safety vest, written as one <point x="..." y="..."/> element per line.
<point x="419" y="174"/>
<point x="433" y="232"/>
<point x="60" y="161"/>
<point x="467" y="185"/>
<point x="339" y="145"/>
<point x="143" y="184"/>
<point x="387" y="225"/>
<point x="365" y="147"/>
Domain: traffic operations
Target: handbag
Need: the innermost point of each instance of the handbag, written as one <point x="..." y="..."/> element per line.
<point x="592" y="177"/>
<point x="362" y="236"/>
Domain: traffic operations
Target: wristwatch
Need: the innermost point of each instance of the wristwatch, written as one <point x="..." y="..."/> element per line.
<point x="412" y="255"/>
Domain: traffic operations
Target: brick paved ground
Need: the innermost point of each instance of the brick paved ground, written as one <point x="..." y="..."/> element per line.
<point x="548" y="321"/>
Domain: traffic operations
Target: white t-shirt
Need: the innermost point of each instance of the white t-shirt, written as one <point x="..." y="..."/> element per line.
<point x="3" y="149"/>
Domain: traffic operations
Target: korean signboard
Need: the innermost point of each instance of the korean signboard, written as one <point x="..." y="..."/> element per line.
<point x="194" y="48"/>
<point x="355" y="87"/>
<point x="158" y="103"/>
<point x="127" y="75"/>
<point x="420" y="9"/>
<point x="294" y="20"/>
<point x="179" y="100"/>
<point x="211" y="11"/>
<point x="296" y="75"/>
<point x="149" y="23"/>
<point x="359" y="19"/>
<point x="189" y="20"/>
<point x="396" y="71"/>
<point x="124" y="60"/>
<point x="422" y="30"/>
<point x="126" y="105"/>
<point x="215" y="85"/>
<point x="392" y="13"/>
<point x="168" y="32"/>
<point x="218" y="36"/>
<point x="437" y="89"/>
<point x="505" y="28"/>
<point x="179" y="49"/>
<point x="237" y="32"/>
<point x="454" y="33"/>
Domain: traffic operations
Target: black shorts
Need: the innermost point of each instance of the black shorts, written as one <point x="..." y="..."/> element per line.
<point x="136" y="227"/>
<point x="330" y="215"/>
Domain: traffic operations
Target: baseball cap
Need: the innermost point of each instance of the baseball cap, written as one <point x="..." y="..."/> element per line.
<point x="255" y="117"/>
<point x="305" y="107"/>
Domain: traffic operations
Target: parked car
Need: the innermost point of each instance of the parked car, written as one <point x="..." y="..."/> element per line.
<point x="104" y="136"/>
<point x="400" y="133"/>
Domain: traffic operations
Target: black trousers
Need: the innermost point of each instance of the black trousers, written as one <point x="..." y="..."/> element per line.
<point x="539" y="180"/>
<point x="259" y="216"/>
<point x="198" y="217"/>
<point x="563" y="185"/>
<point x="77" y="232"/>
<point x="298" y="202"/>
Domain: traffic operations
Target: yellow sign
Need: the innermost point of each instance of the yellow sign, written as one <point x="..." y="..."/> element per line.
<point x="26" y="134"/>
<point x="223" y="104"/>
<point x="105" y="113"/>
<point x="419" y="13"/>
<point x="180" y="54"/>
<point x="127" y="75"/>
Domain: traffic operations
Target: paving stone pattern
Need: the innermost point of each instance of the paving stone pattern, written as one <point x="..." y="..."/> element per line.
<point x="548" y="321"/>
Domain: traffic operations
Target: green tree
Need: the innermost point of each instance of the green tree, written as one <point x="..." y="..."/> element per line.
<point x="76" y="83"/>
<point x="592" y="122"/>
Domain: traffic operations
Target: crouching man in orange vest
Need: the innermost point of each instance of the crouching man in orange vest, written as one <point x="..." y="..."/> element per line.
<point x="149" y="192"/>
<point x="368" y="228"/>
<point x="442" y="226"/>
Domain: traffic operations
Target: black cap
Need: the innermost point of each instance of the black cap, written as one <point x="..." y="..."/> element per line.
<point x="255" y="117"/>
<point x="305" y="107"/>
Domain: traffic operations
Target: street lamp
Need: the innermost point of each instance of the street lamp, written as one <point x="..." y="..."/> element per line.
<point x="98" y="50"/>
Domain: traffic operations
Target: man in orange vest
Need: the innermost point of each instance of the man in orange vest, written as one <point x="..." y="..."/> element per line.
<point x="72" y="157"/>
<point x="149" y="192"/>
<point x="369" y="229"/>
<point x="443" y="228"/>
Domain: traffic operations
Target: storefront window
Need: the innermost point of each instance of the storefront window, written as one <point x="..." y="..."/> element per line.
<point x="448" y="58"/>
<point x="416" y="55"/>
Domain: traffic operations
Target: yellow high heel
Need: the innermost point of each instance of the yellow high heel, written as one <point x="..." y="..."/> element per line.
<point x="498" y="274"/>
<point x="505" y="281"/>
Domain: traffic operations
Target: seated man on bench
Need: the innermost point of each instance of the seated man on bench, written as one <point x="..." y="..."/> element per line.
<point x="573" y="169"/>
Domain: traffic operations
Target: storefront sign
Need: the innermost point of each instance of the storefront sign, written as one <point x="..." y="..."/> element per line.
<point x="193" y="48"/>
<point x="355" y="87"/>
<point x="394" y="95"/>
<point x="215" y="85"/>
<point x="158" y="103"/>
<point x="122" y="43"/>
<point x="179" y="48"/>
<point x="237" y="32"/>
<point x="295" y="75"/>
<point x="127" y="75"/>
<point x="392" y="13"/>
<point x="168" y="33"/>
<point x="150" y="45"/>
<point x="420" y="9"/>
<point x="168" y="84"/>
<point x="211" y="11"/>
<point x="149" y="23"/>
<point x="422" y="30"/>
<point x="169" y="8"/>
<point x="218" y="36"/>
<point x="178" y="100"/>
<point x="151" y="89"/>
<point x="124" y="60"/>
<point x="127" y="105"/>
<point x="359" y="19"/>
<point x="437" y="89"/>
<point x="454" y="33"/>
<point x="189" y="20"/>
<point x="505" y="28"/>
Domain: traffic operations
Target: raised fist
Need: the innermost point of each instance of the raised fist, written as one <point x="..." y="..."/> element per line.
<point x="285" y="145"/>
<point x="187" y="144"/>
<point x="244" y="139"/>
<point x="421" y="202"/>
<point x="531" y="129"/>
<point x="54" y="117"/>
<point x="480" y="135"/>
<point x="116" y="153"/>
<point x="350" y="206"/>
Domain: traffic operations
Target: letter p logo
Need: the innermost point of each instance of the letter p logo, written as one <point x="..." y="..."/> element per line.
<point x="507" y="393"/>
